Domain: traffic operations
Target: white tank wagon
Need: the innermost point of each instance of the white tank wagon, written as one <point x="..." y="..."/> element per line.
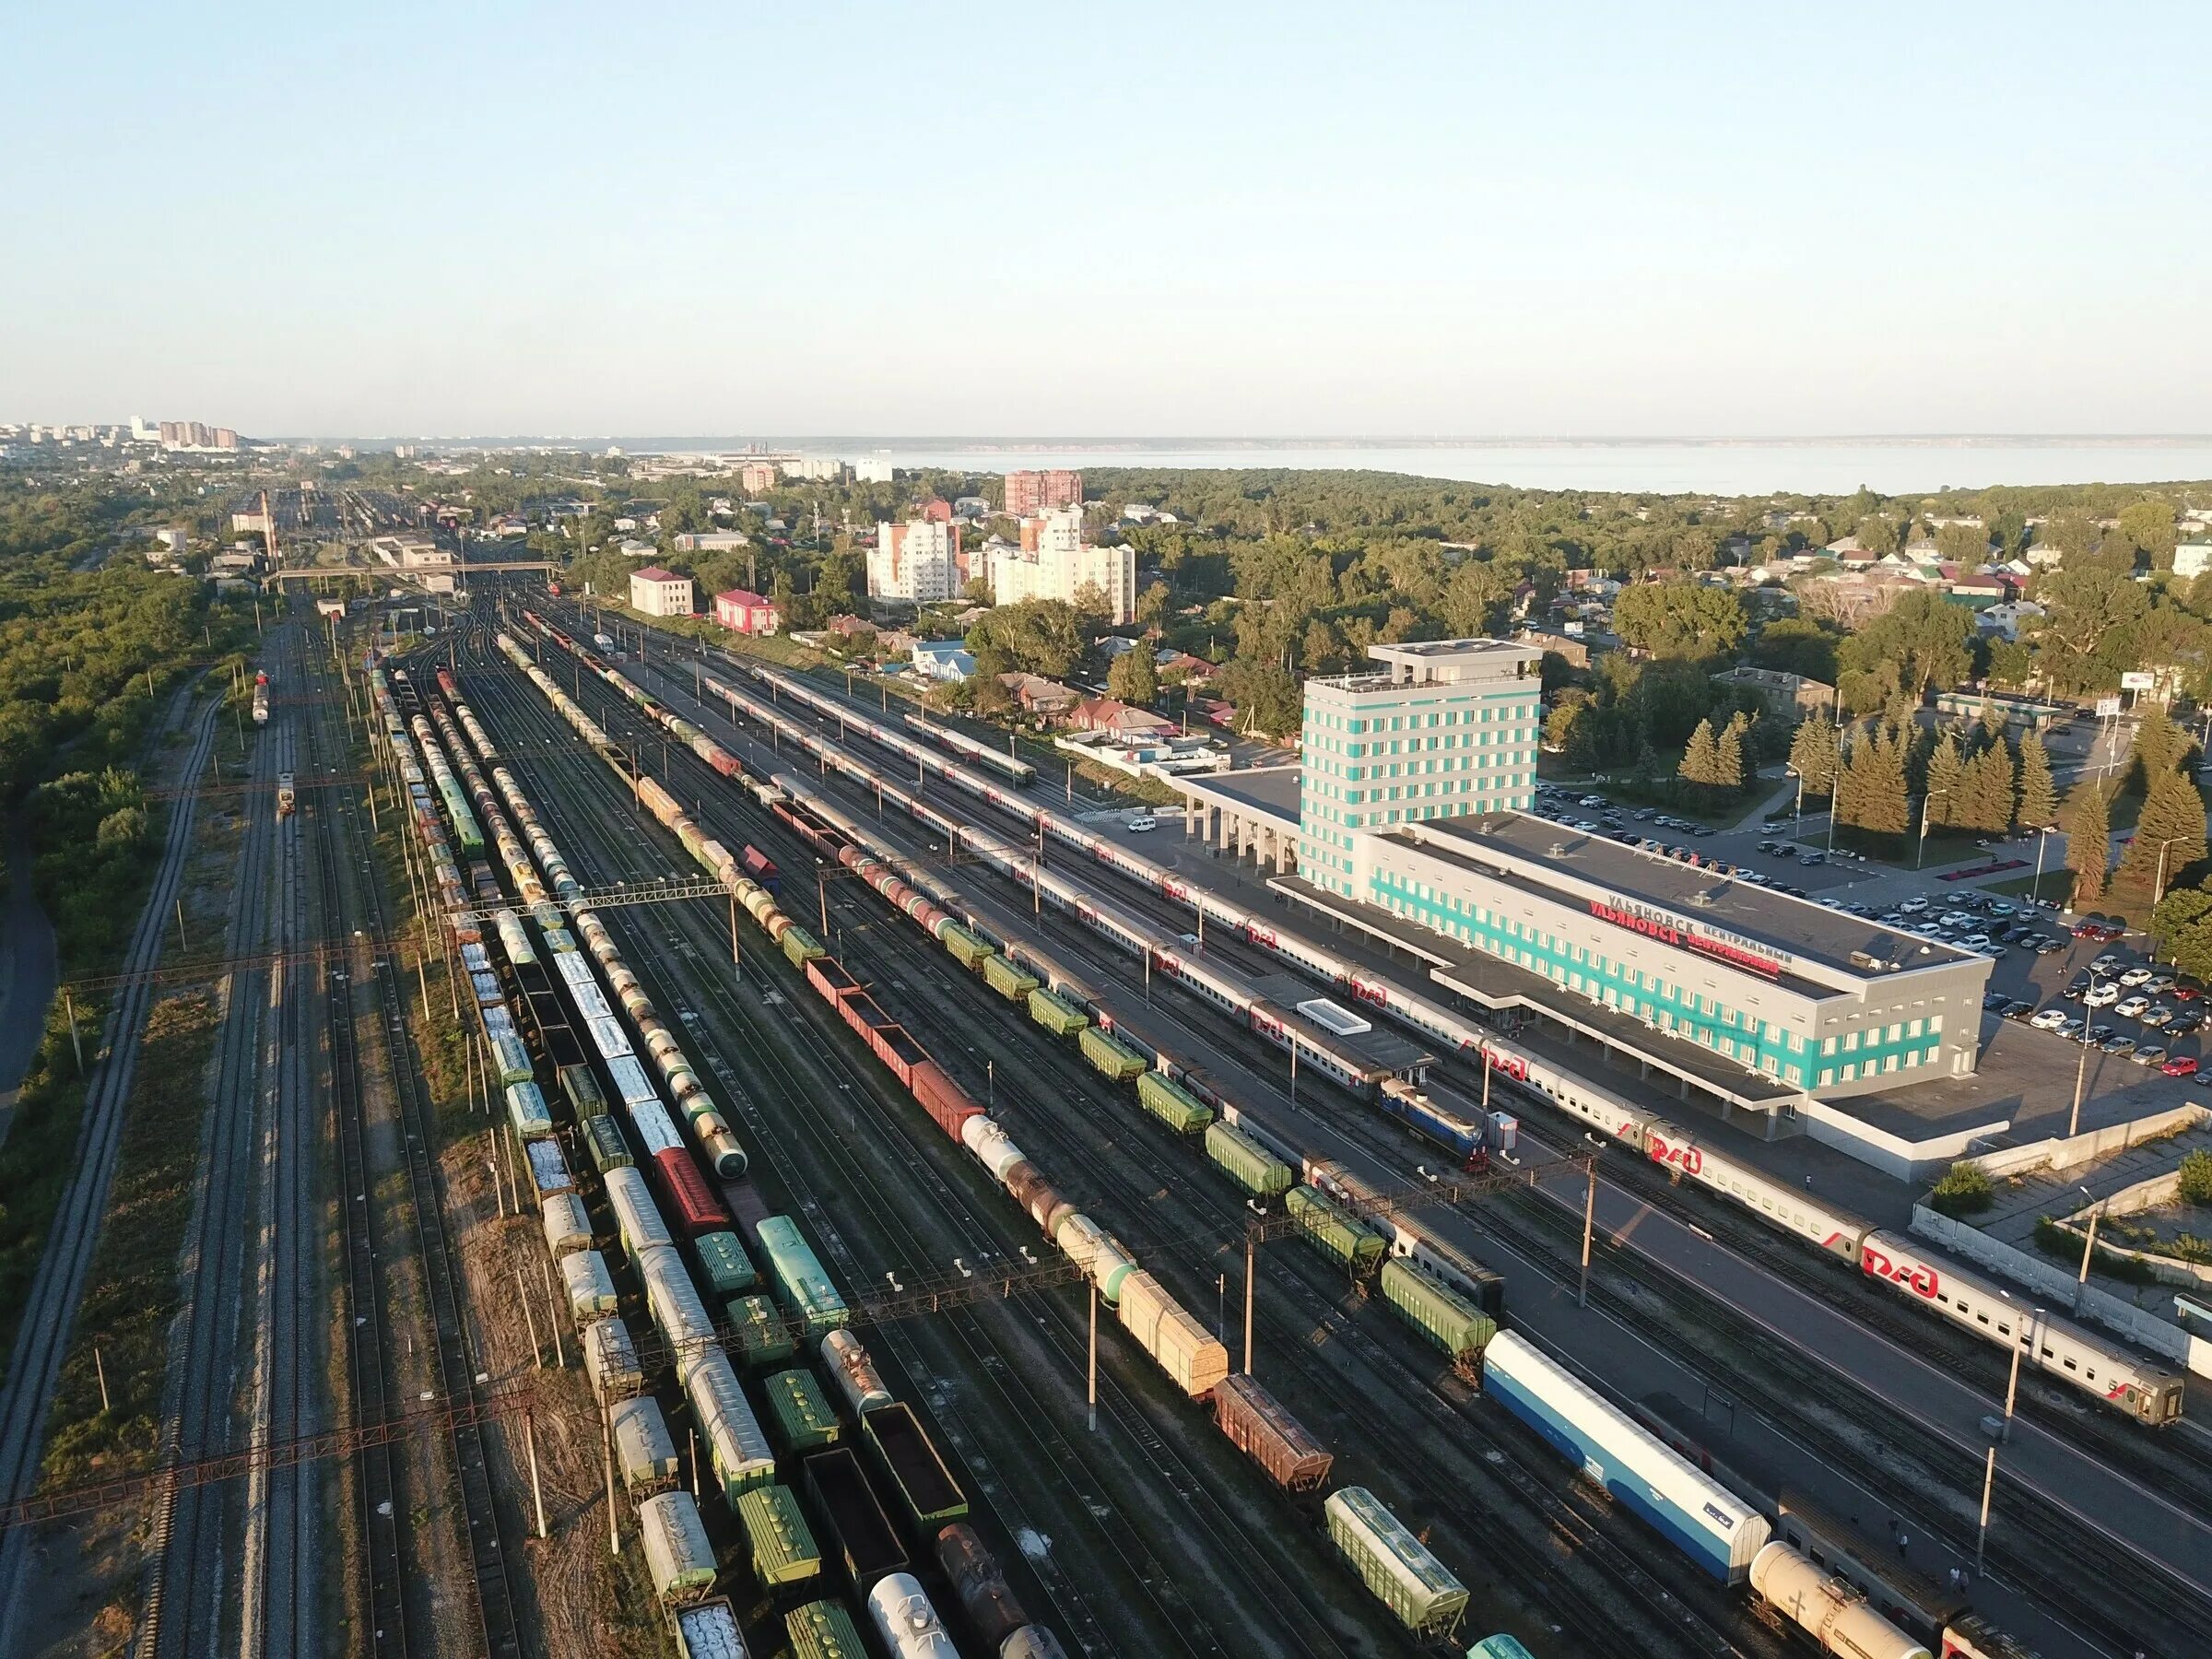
<point x="1695" y="1512"/>
<point x="904" y="1617"/>
<point x="854" y="1374"/>
<point x="1397" y="1567"/>
<point x="1835" y="1614"/>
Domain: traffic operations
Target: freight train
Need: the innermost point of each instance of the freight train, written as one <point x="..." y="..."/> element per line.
<point x="679" y="1558"/>
<point x="2148" y="1391"/>
<point x="261" y="700"/>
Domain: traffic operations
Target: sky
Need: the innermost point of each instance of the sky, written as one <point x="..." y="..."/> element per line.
<point x="1135" y="219"/>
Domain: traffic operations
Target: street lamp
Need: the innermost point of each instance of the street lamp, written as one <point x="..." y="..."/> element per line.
<point x="2081" y="1281"/>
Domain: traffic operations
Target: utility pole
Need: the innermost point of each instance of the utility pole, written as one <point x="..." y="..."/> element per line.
<point x="1582" y="1292"/>
<point x="1989" y="1481"/>
<point x="1250" y="1249"/>
<point x="1091" y="1379"/>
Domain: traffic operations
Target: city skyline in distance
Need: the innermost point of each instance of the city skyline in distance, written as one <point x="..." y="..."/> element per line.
<point x="1486" y="223"/>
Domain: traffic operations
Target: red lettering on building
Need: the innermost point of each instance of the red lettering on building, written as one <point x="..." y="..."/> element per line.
<point x="1667" y="933"/>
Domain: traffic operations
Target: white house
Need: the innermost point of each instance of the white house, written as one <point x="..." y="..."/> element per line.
<point x="658" y="593"/>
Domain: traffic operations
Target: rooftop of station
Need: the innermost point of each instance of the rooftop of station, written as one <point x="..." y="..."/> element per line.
<point x="1270" y="791"/>
<point x="1798" y="927"/>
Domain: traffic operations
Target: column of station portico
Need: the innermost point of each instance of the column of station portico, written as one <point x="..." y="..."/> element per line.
<point x="1269" y="841"/>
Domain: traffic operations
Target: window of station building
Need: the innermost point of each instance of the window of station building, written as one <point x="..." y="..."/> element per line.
<point x="1828" y="1075"/>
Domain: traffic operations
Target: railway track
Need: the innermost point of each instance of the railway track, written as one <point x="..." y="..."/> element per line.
<point x="2076" y="1609"/>
<point x="380" y="1613"/>
<point x="493" y="1595"/>
<point x="808" y="1134"/>
<point x="184" y="1609"/>
<point x="1635" y="1567"/>
<point x="43" y="1339"/>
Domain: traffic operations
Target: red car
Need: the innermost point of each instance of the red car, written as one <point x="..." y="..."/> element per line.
<point x="2180" y="1065"/>
<point x="2187" y="990"/>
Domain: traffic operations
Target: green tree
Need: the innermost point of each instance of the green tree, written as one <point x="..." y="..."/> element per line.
<point x="2088" y="841"/>
<point x="1989" y="791"/>
<point x="1877" y="535"/>
<point x="1700" y="758"/>
<point x="1678" y="618"/>
<point x="2039" y="799"/>
<point x="1872" y="793"/>
<point x="2194" y="1185"/>
<point x="1797" y="645"/>
<point x="1927" y="639"/>
<point x="1813" y="756"/>
<point x="2182" y="925"/>
<point x="1134" y="676"/>
<point x="2149" y="525"/>
<point x="1962" y="543"/>
<point x="1728" y="754"/>
<point x="1946" y="789"/>
<point x="2169" y="834"/>
<point x="2159" y="747"/>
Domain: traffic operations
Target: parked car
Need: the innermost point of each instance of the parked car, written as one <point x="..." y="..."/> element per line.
<point x="2118" y="1045"/>
<point x="1913" y="906"/>
<point x="2100" y="997"/>
<point x="2071" y="1027"/>
<point x="2148" y="1056"/>
<point x="2157" y="984"/>
<point x="2187" y="988"/>
<point x="2185" y="1021"/>
<point x="2179" y="1066"/>
<point x="2105" y="963"/>
<point x="2135" y="976"/>
<point x="2050" y="1019"/>
<point x="2157" y="1014"/>
<point x="2100" y="1033"/>
<point x="2135" y="1008"/>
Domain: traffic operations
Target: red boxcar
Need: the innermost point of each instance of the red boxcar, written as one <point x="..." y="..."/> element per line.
<point x="828" y="976"/>
<point x="946" y="1101"/>
<point x="696" y="1209"/>
<point x="761" y="868"/>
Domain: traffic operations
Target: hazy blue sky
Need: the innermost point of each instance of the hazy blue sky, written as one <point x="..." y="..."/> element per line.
<point x="1118" y="218"/>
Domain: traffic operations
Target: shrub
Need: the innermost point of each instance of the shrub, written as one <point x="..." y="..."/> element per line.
<point x="2196" y="1178"/>
<point x="1963" y="1190"/>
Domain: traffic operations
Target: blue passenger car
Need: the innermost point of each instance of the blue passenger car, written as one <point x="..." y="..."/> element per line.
<point x="1704" y="1519"/>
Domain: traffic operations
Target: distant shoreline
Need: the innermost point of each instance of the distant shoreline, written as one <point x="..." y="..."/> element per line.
<point x="737" y="443"/>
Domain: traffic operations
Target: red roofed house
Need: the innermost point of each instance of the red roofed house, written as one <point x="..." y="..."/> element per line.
<point x="659" y="592"/>
<point x="742" y="611"/>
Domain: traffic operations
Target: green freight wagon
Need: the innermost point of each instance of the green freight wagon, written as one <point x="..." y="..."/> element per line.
<point x="1173" y="1104"/>
<point x="582" y="1089"/>
<point x="1009" y="979"/>
<point x="1248" y="1163"/>
<point x="1060" y="1018"/>
<point x="602" y="1137"/>
<point x="1451" y="1322"/>
<point x="1110" y="1054"/>
<point x="926" y="1489"/>
<point x="783" y="1544"/>
<point x="1393" y="1564"/>
<point x="823" y="1630"/>
<point x="762" y="1338"/>
<point x="966" y="948"/>
<point x="723" y="1259"/>
<point x="800" y="945"/>
<point x="1335" y="1232"/>
<point x="797" y="1275"/>
<point x="804" y="1420"/>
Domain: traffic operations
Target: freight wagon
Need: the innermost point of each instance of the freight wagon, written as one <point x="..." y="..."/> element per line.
<point x="603" y="1138"/>
<point x="949" y="1106"/>
<point x="1261" y="1428"/>
<point x="759" y="1331"/>
<point x="781" y="1545"/>
<point x="697" y="1210"/>
<point x="1058" y="1018"/>
<point x="1109" y="1054"/>
<point x="707" y="1629"/>
<point x="907" y="1620"/>
<point x="925" y="1486"/>
<point x="984" y="1592"/>
<point x="1335" y="1232"/>
<point x="637" y="1220"/>
<point x="679" y="1559"/>
<point x="590" y="1287"/>
<point x="1449" y="1320"/>
<point x="1173" y="1104"/>
<point x="723" y="1260"/>
<point x="526" y="1110"/>
<point x="854" y="1373"/>
<point x="1393" y="1564"/>
<point x="1191" y="1355"/>
<point x="856" y="1526"/>
<point x="761" y="868"/>
<point x="645" y="1451"/>
<point x="737" y="1448"/>
<point x="1500" y="1646"/>
<point x="965" y="947"/>
<point x="1700" y="1516"/>
<point x="804" y="1420"/>
<point x="1248" y="1163"/>
<point x="823" y="1630"/>
<point x="801" y="1285"/>
<point x="610" y="1360"/>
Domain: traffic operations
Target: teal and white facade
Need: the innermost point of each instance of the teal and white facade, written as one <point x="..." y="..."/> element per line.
<point x="1788" y="989"/>
<point x="1444" y="727"/>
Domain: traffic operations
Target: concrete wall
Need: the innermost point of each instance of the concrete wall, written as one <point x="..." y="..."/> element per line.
<point x="2058" y="1288"/>
<point x="1893" y="1154"/>
<point x="2063" y="1154"/>
<point x="2132" y="1200"/>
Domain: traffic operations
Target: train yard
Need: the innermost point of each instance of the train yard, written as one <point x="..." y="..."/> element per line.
<point x="2113" y="1631"/>
<point x="950" y="1254"/>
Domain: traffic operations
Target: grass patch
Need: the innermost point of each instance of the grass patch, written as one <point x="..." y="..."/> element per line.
<point x="37" y="1161"/>
<point x="131" y="1291"/>
<point x="2057" y="1242"/>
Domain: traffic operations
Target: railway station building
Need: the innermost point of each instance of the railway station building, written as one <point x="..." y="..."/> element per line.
<point x="1409" y="816"/>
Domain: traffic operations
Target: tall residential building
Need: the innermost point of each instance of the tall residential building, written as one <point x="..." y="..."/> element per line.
<point x="917" y="561"/>
<point x="1029" y="493"/>
<point x="757" y="478"/>
<point x="196" y="435"/>
<point x="1444" y="727"/>
<point x="1053" y="562"/>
